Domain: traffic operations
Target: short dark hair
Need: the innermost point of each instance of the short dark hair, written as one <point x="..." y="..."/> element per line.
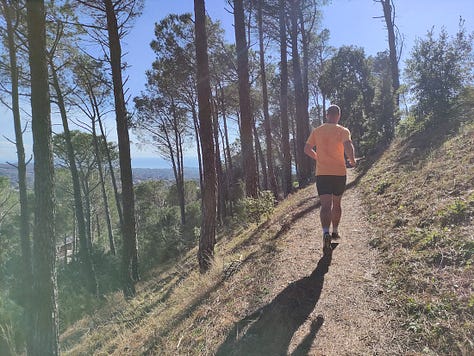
<point x="334" y="110"/>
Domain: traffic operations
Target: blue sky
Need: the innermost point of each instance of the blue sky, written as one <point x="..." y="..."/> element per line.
<point x="350" y="22"/>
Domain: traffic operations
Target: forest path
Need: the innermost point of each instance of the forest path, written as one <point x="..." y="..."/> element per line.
<point x="329" y="304"/>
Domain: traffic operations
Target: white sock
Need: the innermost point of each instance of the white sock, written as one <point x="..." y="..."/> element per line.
<point x="325" y="230"/>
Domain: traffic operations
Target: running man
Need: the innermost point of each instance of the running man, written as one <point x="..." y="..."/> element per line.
<point x="331" y="142"/>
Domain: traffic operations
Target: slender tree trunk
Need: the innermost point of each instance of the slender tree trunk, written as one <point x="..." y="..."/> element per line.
<point x="246" y="139"/>
<point x="74" y="238"/>
<point x="293" y="133"/>
<point x="389" y="15"/>
<point x="177" y="162"/>
<point x="198" y="145"/>
<point x="266" y="114"/>
<point x="112" y="174"/>
<point x="220" y="184"/>
<point x="226" y="197"/>
<point x="227" y="154"/>
<point x="27" y="272"/>
<point x="257" y="162"/>
<point x="305" y="46"/>
<point x="129" y="248"/>
<point x="285" y="131"/>
<point x="302" y="120"/>
<point x="102" y="185"/>
<point x="45" y="311"/>
<point x="208" y="226"/>
<point x="324" y="109"/>
<point x="226" y="132"/>
<point x="85" y="249"/>
<point x="260" y="156"/>
<point x="87" y="203"/>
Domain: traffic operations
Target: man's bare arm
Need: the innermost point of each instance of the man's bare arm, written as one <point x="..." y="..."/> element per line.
<point x="308" y="149"/>
<point x="349" y="151"/>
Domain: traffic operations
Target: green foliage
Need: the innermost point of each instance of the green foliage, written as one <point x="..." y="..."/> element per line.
<point x="454" y="213"/>
<point x="191" y="189"/>
<point x="381" y="126"/>
<point x="346" y="80"/>
<point x="161" y="238"/>
<point x="75" y="301"/>
<point x="160" y="233"/>
<point x="254" y="209"/>
<point x="409" y="125"/>
<point x="437" y="71"/>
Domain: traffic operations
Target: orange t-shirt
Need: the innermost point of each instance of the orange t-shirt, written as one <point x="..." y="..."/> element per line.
<point x="329" y="141"/>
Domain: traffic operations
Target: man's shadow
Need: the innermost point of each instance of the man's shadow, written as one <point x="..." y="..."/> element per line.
<point x="269" y="330"/>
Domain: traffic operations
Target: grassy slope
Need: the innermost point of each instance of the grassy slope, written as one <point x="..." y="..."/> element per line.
<point x="179" y="311"/>
<point x="420" y="197"/>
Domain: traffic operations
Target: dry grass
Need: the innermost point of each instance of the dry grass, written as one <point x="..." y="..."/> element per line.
<point x="179" y="311"/>
<point x="420" y="196"/>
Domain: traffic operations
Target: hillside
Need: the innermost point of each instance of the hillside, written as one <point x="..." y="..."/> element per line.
<point x="400" y="281"/>
<point x="420" y="199"/>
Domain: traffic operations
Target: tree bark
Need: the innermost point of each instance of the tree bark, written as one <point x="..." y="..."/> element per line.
<point x="45" y="311"/>
<point x="129" y="248"/>
<point x="85" y="248"/>
<point x="27" y="272"/>
<point x="302" y="119"/>
<point x="208" y="225"/>
<point x="266" y="114"/>
<point x="285" y="131"/>
<point x="246" y="139"/>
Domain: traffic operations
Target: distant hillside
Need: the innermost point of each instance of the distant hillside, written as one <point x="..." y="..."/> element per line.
<point x="144" y="174"/>
<point x="11" y="172"/>
<point x="139" y="174"/>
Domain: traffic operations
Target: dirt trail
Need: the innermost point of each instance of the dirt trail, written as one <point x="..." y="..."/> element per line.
<point x="322" y="304"/>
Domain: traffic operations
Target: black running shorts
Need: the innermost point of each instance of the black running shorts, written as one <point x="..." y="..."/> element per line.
<point x="334" y="185"/>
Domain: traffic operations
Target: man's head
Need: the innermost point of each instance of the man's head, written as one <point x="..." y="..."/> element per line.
<point x="333" y="114"/>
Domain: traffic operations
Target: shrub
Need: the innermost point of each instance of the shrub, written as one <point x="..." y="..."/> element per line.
<point x="253" y="209"/>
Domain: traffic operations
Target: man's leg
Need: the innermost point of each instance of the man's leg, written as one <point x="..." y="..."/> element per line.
<point x="325" y="212"/>
<point x="336" y="212"/>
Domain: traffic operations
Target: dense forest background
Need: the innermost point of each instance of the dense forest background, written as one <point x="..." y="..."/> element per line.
<point x="85" y="227"/>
